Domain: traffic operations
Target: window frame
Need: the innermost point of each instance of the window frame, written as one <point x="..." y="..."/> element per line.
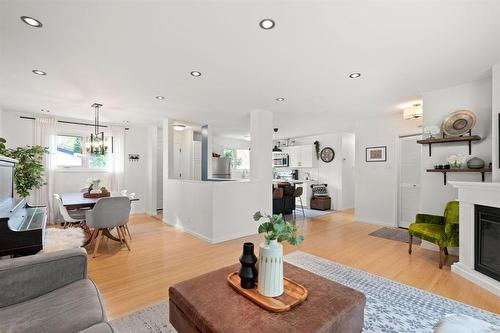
<point x="235" y="156"/>
<point x="85" y="156"/>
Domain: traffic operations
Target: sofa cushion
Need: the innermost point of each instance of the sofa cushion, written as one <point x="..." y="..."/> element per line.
<point x="71" y="308"/>
<point x="99" y="328"/>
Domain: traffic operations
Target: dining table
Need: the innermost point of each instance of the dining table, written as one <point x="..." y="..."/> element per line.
<point x="76" y="200"/>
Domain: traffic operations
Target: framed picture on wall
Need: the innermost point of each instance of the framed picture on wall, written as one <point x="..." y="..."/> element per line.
<point x="376" y="154"/>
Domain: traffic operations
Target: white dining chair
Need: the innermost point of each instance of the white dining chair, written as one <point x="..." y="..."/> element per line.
<point x="68" y="219"/>
<point x="130" y="196"/>
<point x="109" y="213"/>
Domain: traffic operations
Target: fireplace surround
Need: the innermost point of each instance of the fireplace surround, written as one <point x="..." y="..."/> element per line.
<point x="487" y="241"/>
<point x="478" y="195"/>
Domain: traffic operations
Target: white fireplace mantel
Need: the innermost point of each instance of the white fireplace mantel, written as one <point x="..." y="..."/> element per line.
<point x="469" y="195"/>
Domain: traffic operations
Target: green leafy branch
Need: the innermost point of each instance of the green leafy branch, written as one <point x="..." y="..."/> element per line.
<point x="276" y="228"/>
<point x="28" y="174"/>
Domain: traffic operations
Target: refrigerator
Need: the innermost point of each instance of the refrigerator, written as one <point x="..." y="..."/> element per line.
<point x="221" y="167"/>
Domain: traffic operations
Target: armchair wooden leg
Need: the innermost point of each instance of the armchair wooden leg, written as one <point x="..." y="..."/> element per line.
<point x="441" y="257"/>
<point x="446" y="250"/>
<point x="410" y="242"/>
<point x="97" y="241"/>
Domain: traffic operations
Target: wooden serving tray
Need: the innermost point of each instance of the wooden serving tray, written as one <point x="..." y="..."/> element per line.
<point x="96" y="195"/>
<point x="293" y="294"/>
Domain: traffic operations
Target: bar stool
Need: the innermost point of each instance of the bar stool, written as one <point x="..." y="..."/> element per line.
<point x="298" y="194"/>
<point x="278" y="200"/>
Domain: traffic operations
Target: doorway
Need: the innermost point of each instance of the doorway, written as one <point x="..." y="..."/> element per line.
<point x="177" y="173"/>
<point x="410" y="154"/>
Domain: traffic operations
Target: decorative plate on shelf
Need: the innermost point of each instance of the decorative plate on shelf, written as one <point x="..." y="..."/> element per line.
<point x="459" y="122"/>
<point x="327" y="154"/>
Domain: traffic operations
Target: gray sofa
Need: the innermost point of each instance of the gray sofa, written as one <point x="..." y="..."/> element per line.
<point x="50" y="293"/>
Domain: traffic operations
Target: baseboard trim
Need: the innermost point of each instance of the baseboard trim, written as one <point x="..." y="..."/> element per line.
<point x="481" y="280"/>
<point x="364" y="220"/>
<point x="211" y="240"/>
<point x="193" y="233"/>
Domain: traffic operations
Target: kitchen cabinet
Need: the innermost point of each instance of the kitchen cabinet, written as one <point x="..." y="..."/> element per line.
<point x="301" y="156"/>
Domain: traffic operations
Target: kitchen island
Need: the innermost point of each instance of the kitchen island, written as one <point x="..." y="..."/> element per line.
<point x="283" y="196"/>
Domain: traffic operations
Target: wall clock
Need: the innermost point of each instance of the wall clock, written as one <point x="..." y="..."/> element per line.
<point x="327" y="154"/>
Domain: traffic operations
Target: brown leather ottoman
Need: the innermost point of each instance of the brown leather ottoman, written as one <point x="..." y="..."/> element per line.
<point x="208" y="304"/>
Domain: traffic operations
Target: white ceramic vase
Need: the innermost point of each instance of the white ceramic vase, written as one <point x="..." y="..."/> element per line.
<point x="270" y="269"/>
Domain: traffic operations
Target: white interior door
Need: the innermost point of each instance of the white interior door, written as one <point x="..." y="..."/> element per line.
<point x="177" y="161"/>
<point x="197" y="160"/>
<point x="409" y="180"/>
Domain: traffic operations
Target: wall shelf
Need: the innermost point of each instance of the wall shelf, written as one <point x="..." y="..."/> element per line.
<point x="445" y="171"/>
<point x="467" y="138"/>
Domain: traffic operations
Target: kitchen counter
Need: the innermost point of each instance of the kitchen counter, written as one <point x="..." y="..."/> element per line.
<point x="292" y="181"/>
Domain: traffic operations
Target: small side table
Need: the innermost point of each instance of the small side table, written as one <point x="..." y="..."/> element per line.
<point x="208" y="304"/>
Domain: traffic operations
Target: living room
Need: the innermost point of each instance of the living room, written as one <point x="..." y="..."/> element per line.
<point x="148" y="149"/>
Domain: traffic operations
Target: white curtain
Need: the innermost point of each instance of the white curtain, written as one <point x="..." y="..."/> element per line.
<point x="45" y="135"/>
<point x="117" y="158"/>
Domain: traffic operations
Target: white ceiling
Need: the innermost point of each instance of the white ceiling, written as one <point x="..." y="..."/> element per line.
<point x="124" y="53"/>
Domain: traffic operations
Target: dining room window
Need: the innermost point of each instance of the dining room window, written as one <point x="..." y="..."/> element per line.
<point x="71" y="153"/>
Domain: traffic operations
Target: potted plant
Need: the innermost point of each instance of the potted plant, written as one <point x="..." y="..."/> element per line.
<point x="28" y="174"/>
<point x="276" y="231"/>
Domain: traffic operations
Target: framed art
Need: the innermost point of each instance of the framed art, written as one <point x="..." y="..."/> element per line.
<point x="376" y="154"/>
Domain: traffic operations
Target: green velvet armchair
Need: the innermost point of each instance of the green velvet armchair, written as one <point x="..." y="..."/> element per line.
<point x="440" y="230"/>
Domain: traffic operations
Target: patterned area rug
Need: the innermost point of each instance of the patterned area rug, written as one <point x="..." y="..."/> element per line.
<point x="391" y="307"/>
<point x="396" y="234"/>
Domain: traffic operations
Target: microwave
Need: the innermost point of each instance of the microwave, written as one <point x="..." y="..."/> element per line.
<point x="280" y="160"/>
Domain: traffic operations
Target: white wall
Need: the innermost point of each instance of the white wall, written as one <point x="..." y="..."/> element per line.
<point x="136" y="173"/>
<point x="159" y="168"/>
<point x="474" y="96"/>
<point x="19" y="132"/>
<point x="495" y="112"/>
<point x="348" y="163"/>
<point x="375" y="182"/>
<point x="1" y="113"/>
<point x="218" y="211"/>
<point x="328" y="173"/>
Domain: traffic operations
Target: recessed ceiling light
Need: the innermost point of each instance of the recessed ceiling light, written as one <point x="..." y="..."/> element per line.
<point x="39" y="72"/>
<point x="354" y="75"/>
<point x="179" y="127"/>
<point x="267" y="24"/>
<point x="196" y="73"/>
<point x="248" y="137"/>
<point x="280" y="99"/>
<point x="31" y="21"/>
<point x="160" y="97"/>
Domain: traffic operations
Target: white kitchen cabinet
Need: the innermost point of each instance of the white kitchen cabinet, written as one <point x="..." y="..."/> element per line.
<point x="302" y="156"/>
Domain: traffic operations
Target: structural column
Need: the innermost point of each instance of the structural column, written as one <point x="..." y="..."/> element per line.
<point x="261" y="133"/>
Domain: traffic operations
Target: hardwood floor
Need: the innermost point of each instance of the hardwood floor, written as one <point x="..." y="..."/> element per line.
<point x="162" y="255"/>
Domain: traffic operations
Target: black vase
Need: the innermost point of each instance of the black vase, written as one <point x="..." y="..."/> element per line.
<point x="248" y="272"/>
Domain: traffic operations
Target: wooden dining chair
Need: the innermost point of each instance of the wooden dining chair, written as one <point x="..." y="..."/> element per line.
<point x="109" y="213"/>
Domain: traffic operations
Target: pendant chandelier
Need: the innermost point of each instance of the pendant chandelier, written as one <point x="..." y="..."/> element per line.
<point x="96" y="145"/>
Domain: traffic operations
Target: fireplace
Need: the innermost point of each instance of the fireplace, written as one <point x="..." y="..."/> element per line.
<point x="487" y="241"/>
